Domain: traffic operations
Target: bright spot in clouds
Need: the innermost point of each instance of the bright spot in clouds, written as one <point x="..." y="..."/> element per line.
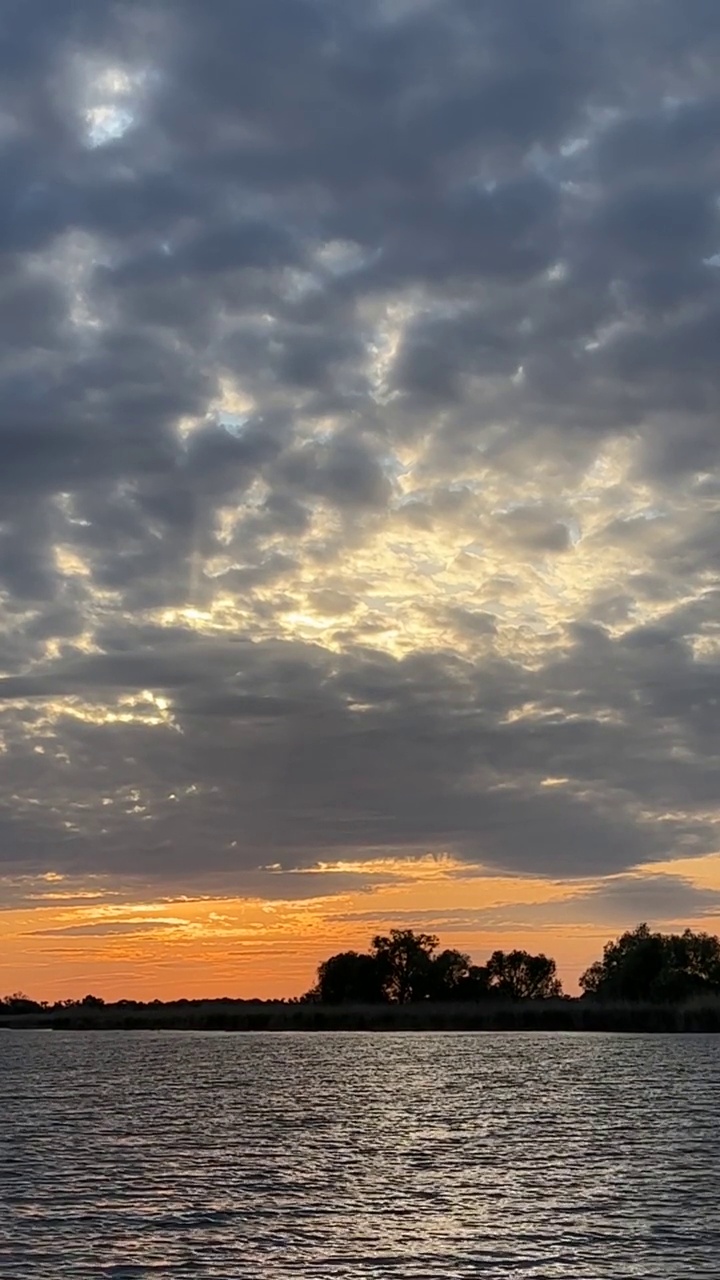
<point x="110" y="101"/>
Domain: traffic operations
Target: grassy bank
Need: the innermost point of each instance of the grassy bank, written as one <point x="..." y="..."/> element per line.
<point x="529" y="1015"/>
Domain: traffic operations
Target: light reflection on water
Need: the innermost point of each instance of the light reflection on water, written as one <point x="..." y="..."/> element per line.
<point x="561" y="1157"/>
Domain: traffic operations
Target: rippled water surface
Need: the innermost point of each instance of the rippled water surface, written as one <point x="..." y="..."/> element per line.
<point x="334" y="1155"/>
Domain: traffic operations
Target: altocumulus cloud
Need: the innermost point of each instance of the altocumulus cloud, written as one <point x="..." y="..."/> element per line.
<point x="359" y="483"/>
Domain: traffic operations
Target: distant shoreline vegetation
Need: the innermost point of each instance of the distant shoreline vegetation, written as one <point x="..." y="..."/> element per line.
<point x="645" y="981"/>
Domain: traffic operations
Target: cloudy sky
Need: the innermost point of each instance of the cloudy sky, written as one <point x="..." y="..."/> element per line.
<point x="359" y="482"/>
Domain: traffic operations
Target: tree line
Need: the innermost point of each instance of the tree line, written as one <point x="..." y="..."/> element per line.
<point x="405" y="967"/>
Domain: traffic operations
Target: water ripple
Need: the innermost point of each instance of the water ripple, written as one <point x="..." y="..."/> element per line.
<point x="126" y="1156"/>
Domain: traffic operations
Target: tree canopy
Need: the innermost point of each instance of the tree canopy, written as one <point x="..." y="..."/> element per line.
<point x="406" y="961"/>
<point x="666" y="967"/>
<point x="349" y="976"/>
<point x="517" y="975"/>
<point x="404" y="967"/>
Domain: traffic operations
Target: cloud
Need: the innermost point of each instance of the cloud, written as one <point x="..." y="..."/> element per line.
<point x="111" y="929"/>
<point x="620" y="902"/>
<point x="358" y="450"/>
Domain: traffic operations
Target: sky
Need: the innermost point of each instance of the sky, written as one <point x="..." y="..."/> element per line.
<point x="359" y="483"/>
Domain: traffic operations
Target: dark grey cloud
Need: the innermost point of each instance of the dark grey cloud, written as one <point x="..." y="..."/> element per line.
<point x="283" y="754"/>
<point x="358" y="441"/>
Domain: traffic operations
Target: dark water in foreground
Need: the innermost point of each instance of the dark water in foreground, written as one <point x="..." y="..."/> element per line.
<point x="348" y="1156"/>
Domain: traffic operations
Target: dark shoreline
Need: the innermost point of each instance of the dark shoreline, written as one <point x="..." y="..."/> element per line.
<point x="528" y="1015"/>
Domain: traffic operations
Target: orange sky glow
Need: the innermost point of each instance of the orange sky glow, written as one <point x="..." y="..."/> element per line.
<point x="79" y="940"/>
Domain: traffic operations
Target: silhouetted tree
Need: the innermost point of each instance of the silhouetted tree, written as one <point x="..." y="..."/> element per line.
<point x="405" y="966"/>
<point x="350" y="976"/>
<point x="646" y="965"/>
<point x="18" y="1002"/>
<point x="632" y="967"/>
<point x="446" y="973"/>
<point x="697" y="957"/>
<point x="518" y="975"/>
<point x="475" y="985"/>
<point x="405" y="959"/>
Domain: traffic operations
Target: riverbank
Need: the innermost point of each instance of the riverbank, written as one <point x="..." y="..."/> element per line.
<point x="527" y="1015"/>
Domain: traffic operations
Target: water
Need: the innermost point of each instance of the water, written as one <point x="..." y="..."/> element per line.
<point x="352" y="1156"/>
